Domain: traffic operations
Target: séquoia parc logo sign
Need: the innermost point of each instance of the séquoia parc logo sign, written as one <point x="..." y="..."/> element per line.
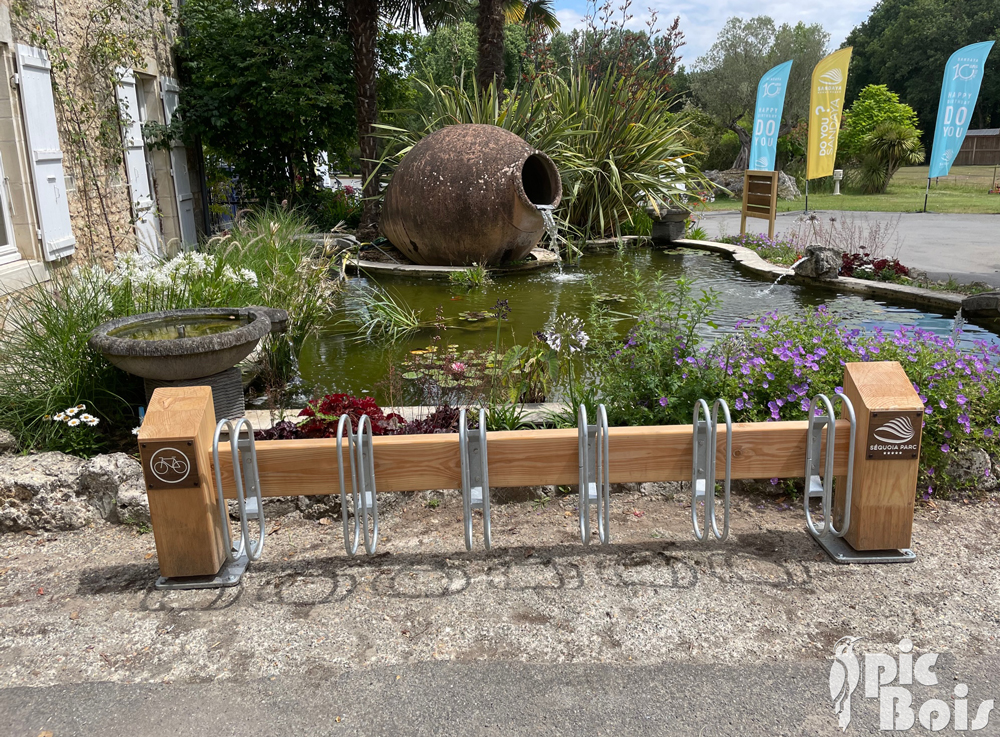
<point x="894" y="435"/>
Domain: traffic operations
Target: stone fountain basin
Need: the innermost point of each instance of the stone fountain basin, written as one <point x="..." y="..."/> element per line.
<point x="184" y="358"/>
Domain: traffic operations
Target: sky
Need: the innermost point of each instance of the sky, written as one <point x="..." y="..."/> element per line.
<point x="701" y="20"/>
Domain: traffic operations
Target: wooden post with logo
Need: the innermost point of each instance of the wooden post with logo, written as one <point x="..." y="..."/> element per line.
<point x="887" y="457"/>
<point x="175" y="444"/>
<point x="760" y="199"/>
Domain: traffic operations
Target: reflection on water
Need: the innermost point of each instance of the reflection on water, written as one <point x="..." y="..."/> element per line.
<point x="173" y="328"/>
<point x="334" y="362"/>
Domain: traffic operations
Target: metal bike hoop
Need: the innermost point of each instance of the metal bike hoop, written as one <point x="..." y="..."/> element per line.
<point x="819" y="486"/>
<point x="350" y="541"/>
<point x="246" y="477"/>
<point x="363" y="498"/>
<point x="366" y="484"/>
<point x="475" y="476"/>
<point x="703" y="468"/>
<point x="595" y="477"/>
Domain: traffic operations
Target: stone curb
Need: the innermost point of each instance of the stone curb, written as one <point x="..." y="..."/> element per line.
<point x="751" y="261"/>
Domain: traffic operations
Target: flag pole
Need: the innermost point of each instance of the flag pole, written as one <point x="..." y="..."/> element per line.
<point x="927" y="193"/>
<point x="807" y="197"/>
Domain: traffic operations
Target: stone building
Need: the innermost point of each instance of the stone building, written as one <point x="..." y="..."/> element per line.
<point x="86" y="80"/>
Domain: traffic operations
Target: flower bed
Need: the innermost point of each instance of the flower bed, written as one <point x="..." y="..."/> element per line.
<point x="771" y="367"/>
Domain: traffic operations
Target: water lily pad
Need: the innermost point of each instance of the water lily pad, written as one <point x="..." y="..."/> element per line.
<point x="411" y="375"/>
<point x="473" y="315"/>
<point x="609" y="297"/>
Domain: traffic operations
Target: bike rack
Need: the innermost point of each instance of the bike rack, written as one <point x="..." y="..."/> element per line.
<point x="703" y="471"/>
<point x="819" y="483"/>
<point x="363" y="498"/>
<point x="595" y="478"/>
<point x="475" y="476"/>
<point x="249" y="503"/>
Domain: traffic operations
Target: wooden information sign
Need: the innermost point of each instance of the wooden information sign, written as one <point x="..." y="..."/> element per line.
<point x="760" y="198"/>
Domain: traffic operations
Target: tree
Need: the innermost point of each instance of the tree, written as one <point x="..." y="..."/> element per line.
<point x="448" y="54"/>
<point x="267" y="87"/>
<point x="725" y="78"/>
<point x="874" y="105"/>
<point x="492" y="17"/>
<point x="490" y="23"/>
<point x="364" y="28"/>
<point x="889" y="146"/>
<point x="905" y="45"/>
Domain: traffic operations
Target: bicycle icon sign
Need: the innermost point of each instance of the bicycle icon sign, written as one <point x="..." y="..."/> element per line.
<point x="170" y="465"/>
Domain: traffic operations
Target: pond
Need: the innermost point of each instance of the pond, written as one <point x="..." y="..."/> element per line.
<point x="334" y="361"/>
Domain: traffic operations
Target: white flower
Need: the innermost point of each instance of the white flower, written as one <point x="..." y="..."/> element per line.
<point x="72" y="411"/>
<point x="81" y="407"/>
<point x="61" y="417"/>
<point x="229" y="274"/>
<point x="92" y="422"/>
<point x="249" y="277"/>
<point x="73" y="423"/>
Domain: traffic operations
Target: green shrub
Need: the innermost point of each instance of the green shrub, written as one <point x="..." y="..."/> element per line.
<point x="771" y="367"/>
<point x="616" y="147"/>
<point x="330" y="208"/>
<point x="46" y="365"/>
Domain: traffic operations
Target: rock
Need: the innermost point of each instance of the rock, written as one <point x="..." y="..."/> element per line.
<point x="985" y="304"/>
<point x="820" y="262"/>
<point x="114" y="486"/>
<point x="345" y="242"/>
<point x="732" y="180"/>
<point x="8" y="443"/>
<point x="971" y="467"/>
<point x="42" y="492"/>
<point x="787" y="188"/>
<point x="317" y="507"/>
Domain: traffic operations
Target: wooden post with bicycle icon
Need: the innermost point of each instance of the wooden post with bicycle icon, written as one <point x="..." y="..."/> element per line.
<point x="175" y="444"/>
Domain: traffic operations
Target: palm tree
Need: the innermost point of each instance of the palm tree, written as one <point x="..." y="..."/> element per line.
<point x="363" y="19"/>
<point x="490" y="21"/>
<point x="888" y="147"/>
<point x="533" y="14"/>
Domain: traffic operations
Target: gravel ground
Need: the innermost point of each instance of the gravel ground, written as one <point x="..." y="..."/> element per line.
<point x="79" y="607"/>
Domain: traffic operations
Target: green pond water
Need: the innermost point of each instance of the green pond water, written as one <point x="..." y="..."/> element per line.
<point x="174" y="328"/>
<point x="334" y="361"/>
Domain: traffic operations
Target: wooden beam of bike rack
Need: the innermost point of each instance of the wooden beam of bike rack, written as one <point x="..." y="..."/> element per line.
<point x="533" y="458"/>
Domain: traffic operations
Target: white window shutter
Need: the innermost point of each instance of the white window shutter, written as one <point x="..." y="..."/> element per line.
<point x="49" y="180"/>
<point x="146" y="227"/>
<point x="179" y="167"/>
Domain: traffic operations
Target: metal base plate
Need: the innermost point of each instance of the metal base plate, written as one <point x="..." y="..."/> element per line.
<point x="230" y="575"/>
<point x="842" y="552"/>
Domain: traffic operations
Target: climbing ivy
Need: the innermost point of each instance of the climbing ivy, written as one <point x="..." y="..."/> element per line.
<point x="87" y="47"/>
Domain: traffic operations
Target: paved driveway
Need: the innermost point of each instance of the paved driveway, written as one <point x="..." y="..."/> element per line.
<point x="966" y="247"/>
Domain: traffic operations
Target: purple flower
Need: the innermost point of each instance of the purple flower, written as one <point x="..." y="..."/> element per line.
<point x="942" y="404"/>
<point x="945" y="448"/>
<point x="664" y="401"/>
<point x="961" y="399"/>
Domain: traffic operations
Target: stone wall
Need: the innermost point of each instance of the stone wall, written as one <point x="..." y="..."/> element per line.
<point x="87" y="41"/>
